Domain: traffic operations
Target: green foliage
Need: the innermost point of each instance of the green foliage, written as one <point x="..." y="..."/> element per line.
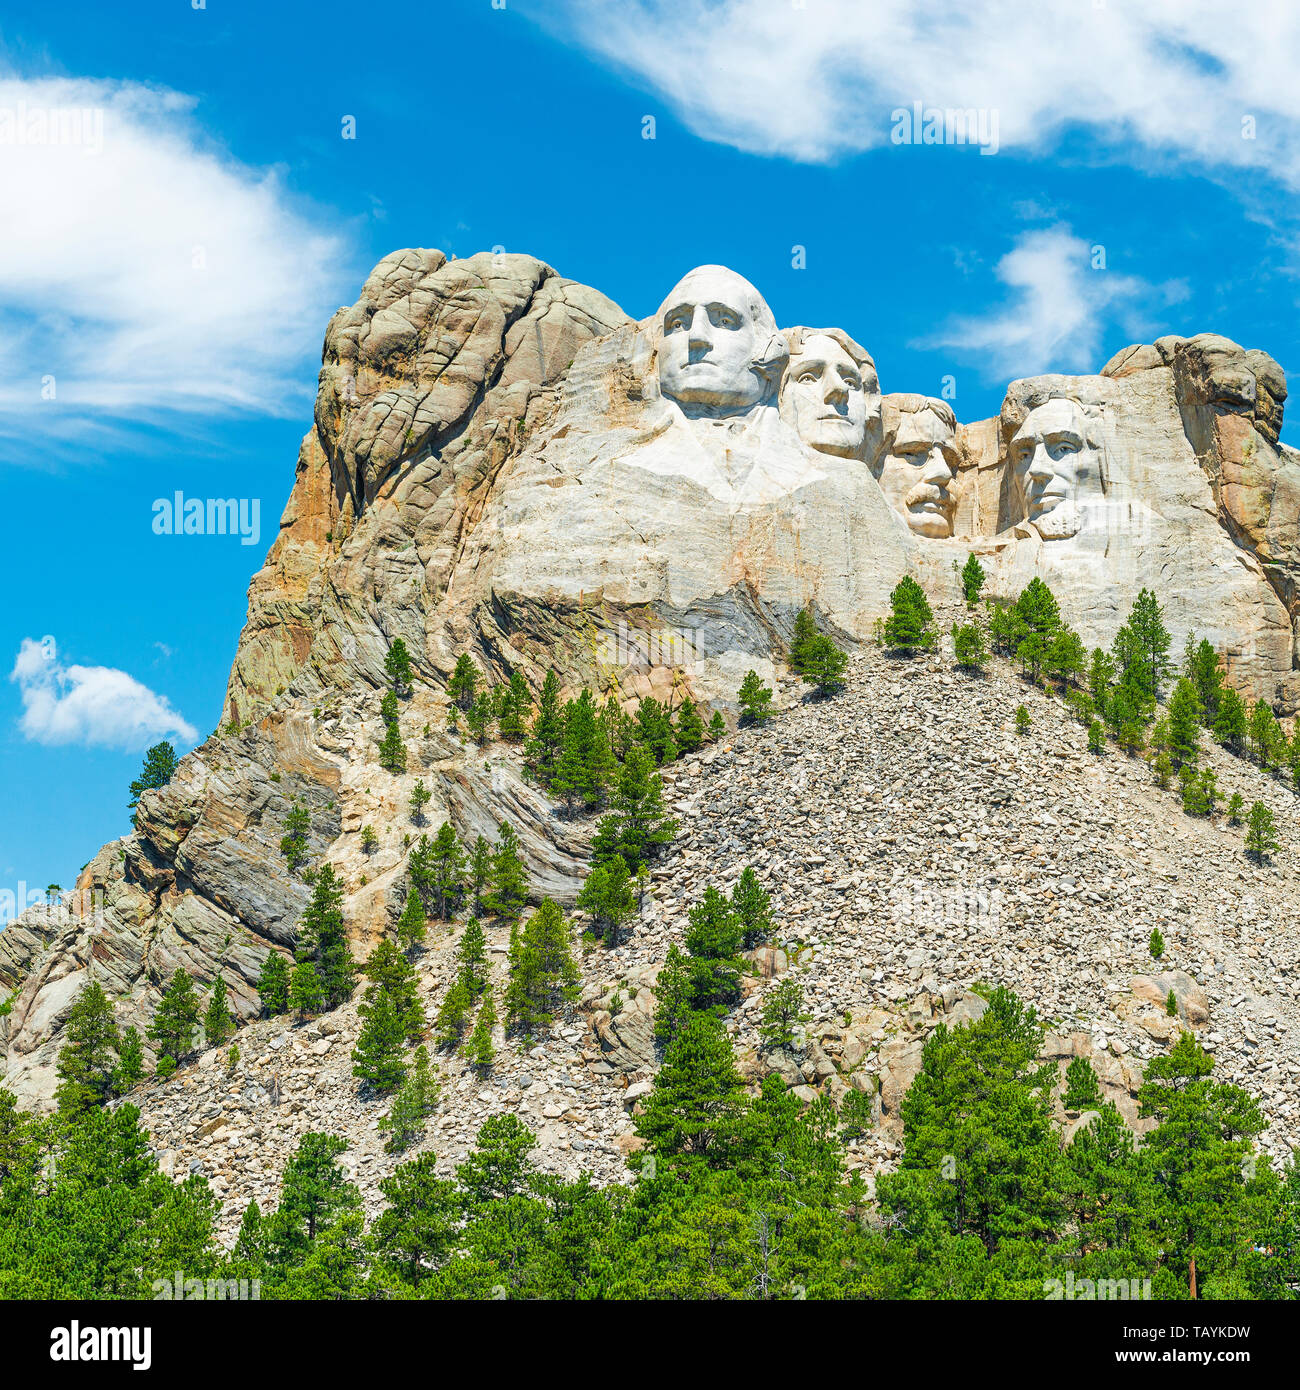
<point x="437" y="870"/>
<point x="1201" y="666"/>
<point x="479" y="1051"/>
<point x="1096" y="736"/>
<point x="454" y="1011"/>
<point x="322" y="939"/>
<point x="752" y="905"/>
<point x="369" y="840"/>
<point x="174" y="1023"/>
<point x="130" y="1061"/>
<point x="969" y="645"/>
<point x="411" y="927"/>
<point x="1023" y="721"/>
<point x="972" y="579"/>
<point x="585" y="766"/>
<point x="542" y="749"/>
<point x="783" y="1011"/>
<point x="87" y="1061"/>
<point x="160" y="764"/>
<point x="1185" y="711"/>
<point x="824" y="665"/>
<point x="273" y="984"/>
<point x="392" y="751"/>
<point x="1065" y="657"/>
<point x="390" y="973"/>
<point x="755" y="700"/>
<point x="806" y="632"/>
<point x="1171" y="1005"/>
<point x="420" y="798"/>
<point x="1156" y="944"/>
<point x="1141" y="648"/>
<point x="607" y="897"/>
<point x="717" y="726"/>
<point x="306" y="992"/>
<point x="636" y="826"/>
<point x="515" y="705"/>
<point x="1199" y="790"/>
<point x="654" y="730"/>
<point x="1261" y="833"/>
<point x="1267" y="741"/>
<point x="909" y="625"/>
<point x="714" y="938"/>
<point x="1082" y="1089"/>
<point x="293" y="844"/>
<point x="1231" y="725"/>
<point x="218" y="1021"/>
<point x="462" y="688"/>
<point x="378" y="1058"/>
<point x="480" y="717"/>
<point x="397" y="666"/>
<point x="416" y="1099"/>
<point x="1235" y="807"/>
<point x="689" y="732"/>
<point x="509" y="883"/>
<point x="856" y="1117"/>
<point x="543" y="975"/>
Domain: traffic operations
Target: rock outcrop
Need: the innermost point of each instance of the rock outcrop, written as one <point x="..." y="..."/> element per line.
<point x="504" y="463"/>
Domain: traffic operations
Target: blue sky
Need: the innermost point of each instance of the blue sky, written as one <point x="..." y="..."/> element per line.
<point x="170" y="272"/>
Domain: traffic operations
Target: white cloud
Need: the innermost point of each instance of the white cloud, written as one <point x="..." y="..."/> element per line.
<point x="94" y="705"/>
<point x="819" y="80"/>
<point x="144" y="270"/>
<point x="1057" y="311"/>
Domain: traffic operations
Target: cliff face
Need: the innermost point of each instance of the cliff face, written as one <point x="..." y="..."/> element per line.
<point x="503" y="463"/>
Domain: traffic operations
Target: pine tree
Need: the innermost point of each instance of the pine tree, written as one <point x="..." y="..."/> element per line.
<point x="620" y="727"/>
<point x="1201" y="666"/>
<point x="377" y="1058"/>
<point x="1143" y="655"/>
<point x="397" y="665"/>
<point x="1096" y="736"/>
<point x="1101" y="679"/>
<point x="654" y="730"/>
<point x="805" y="631"/>
<point x="752" y="905"/>
<point x="824" y="665"/>
<point x="1039" y="615"/>
<point x="717" y="726"/>
<point x="636" y="826"/>
<point x="322" y="939"/>
<point x="390" y="973"/>
<point x="415" y="1101"/>
<point x="674" y="990"/>
<point x="968" y="645"/>
<point x="1065" y="657"/>
<point x="273" y="984"/>
<point x="1156" y="944"/>
<point x="1230" y="725"/>
<point x="411" y="929"/>
<point x="1235" y="807"/>
<point x="542" y="749"/>
<point x="1261" y="833"/>
<point x="1267" y="741"/>
<point x="479" y="1052"/>
<point x="218" y="1022"/>
<point x="755" y="700"/>
<point x="392" y="751"/>
<point x="714" y="939"/>
<point x="1082" y="1089"/>
<point x="438" y="871"/>
<point x="1184" y="724"/>
<point x="782" y="1012"/>
<point x="909" y="625"/>
<point x="972" y="579"/>
<point x="130" y="1061"/>
<point x="463" y="686"/>
<point x="160" y="764"/>
<point x="586" y="766"/>
<point x="509" y="884"/>
<point x="454" y="1011"/>
<point x="89" y="1055"/>
<point x="698" y="1103"/>
<point x="480" y="873"/>
<point x="293" y="844"/>
<point x="306" y="993"/>
<point x="690" y="727"/>
<point x="420" y="798"/>
<point x="1023" y="721"/>
<point x="174" y="1023"/>
<point x="512" y="721"/>
<point x="479" y="718"/>
<point x="608" y="897"/>
<point x="472" y="956"/>
<point x="543" y="976"/>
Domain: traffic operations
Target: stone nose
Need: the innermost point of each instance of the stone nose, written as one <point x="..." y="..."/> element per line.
<point x="936" y="468"/>
<point x="1040" y="466"/>
<point x="701" y="335"/>
<point x="835" y="390"/>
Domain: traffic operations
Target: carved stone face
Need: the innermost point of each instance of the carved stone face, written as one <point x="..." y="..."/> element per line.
<point x="713" y="329"/>
<point x="917" y="470"/>
<point x="825" y="397"/>
<point x="1056" y="469"/>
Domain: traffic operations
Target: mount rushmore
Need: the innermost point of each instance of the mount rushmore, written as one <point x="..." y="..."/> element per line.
<point x="503" y="463"/>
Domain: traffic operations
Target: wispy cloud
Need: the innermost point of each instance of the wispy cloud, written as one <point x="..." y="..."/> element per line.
<point x="94" y="705"/>
<point x="1057" y="312"/>
<point x="145" y="271"/>
<point x="819" y="80"/>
